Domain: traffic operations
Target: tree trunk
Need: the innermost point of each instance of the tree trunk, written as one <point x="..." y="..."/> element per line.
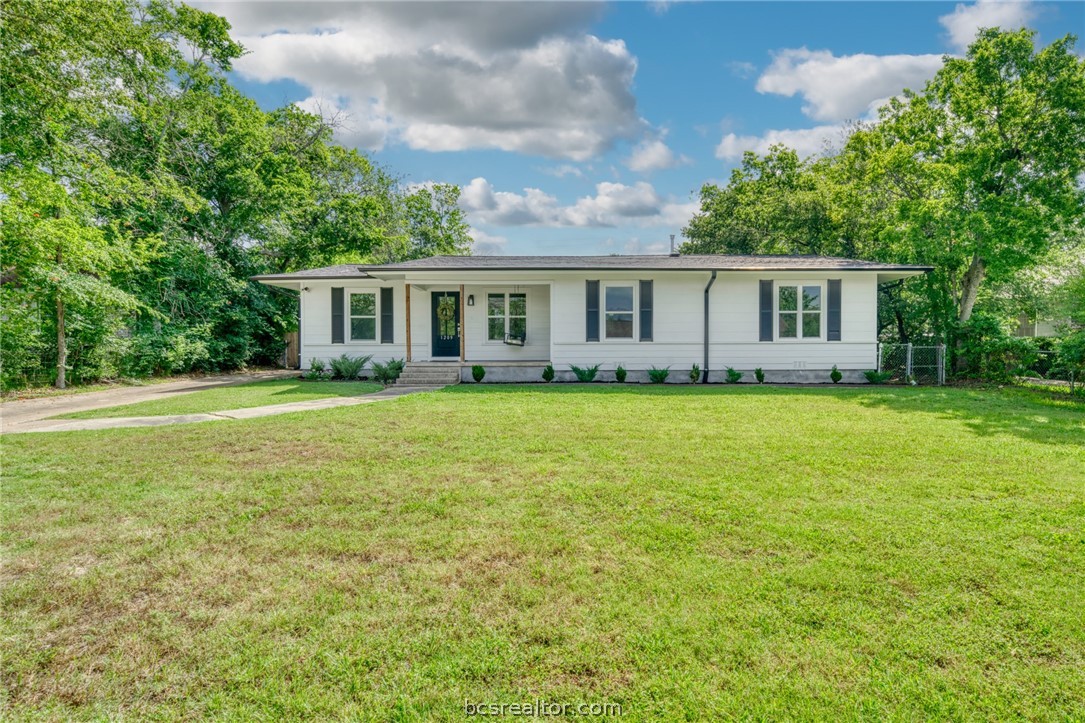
<point x="62" y="345"/>
<point x="970" y="286"/>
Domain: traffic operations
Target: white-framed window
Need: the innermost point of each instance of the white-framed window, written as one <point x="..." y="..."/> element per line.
<point x="618" y="311"/>
<point x="506" y="314"/>
<point x="363" y="316"/>
<point x="799" y="311"/>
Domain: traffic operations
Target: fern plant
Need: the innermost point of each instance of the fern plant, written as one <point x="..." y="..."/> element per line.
<point x="349" y="367"/>
<point x="585" y="374"/>
<point x="387" y="372"/>
<point x="759" y="375"/>
<point x="620" y="374"/>
<point x="658" y="376"/>
<point x="875" y="377"/>
<point x="733" y="377"/>
<point x="694" y="374"/>
<point x="548" y="373"/>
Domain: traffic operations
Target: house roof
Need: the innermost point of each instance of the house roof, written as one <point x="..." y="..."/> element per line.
<point x="705" y="262"/>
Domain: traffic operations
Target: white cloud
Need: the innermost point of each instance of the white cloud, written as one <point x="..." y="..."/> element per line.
<point x="652" y="154"/>
<point x="742" y="68"/>
<point x="563" y="170"/>
<point x="805" y="141"/>
<point x="836" y="88"/>
<point x="522" y="77"/>
<point x="487" y="244"/>
<point x="613" y="204"/>
<point x="966" y="20"/>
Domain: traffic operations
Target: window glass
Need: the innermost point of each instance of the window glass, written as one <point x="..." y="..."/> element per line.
<point x="495" y="310"/>
<point x="788" y="327"/>
<point x="363" y="317"/>
<point x="789" y="298"/>
<point x="517" y="304"/>
<point x="506" y="314"/>
<point x="811" y="325"/>
<point x="618" y="323"/>
<point x="811" y="298"/>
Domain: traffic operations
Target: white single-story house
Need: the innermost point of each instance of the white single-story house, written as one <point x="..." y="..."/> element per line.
<point x="792" y="316"/>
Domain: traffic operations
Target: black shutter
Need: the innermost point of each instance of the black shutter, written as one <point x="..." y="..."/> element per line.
<point x="592" y="307"/>
<point x="337" y="315"/>
<point x="834" y="310"/>
<point x="386" y="316"/>
<point x="645" y="310"/>
<point x="766" y="310"/>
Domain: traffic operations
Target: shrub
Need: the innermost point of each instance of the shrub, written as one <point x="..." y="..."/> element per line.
<point x="876" y="377"/>
<point x="548" y="373"/>
<point x="585" y="375"/>
<point x="695" y="374"/>
<point x="835" y="375"/>
<point x="349" y="367"/>
<point x="478" y="372"/>
<point x="658" y="376"/>
<point x="759" y="375"/>
<point x="733" y="377"/>
<point x="387" y="372"/>
<point x="620" y="374"/>
<point x="987" y="351"/>
<point x="316" y="364"/>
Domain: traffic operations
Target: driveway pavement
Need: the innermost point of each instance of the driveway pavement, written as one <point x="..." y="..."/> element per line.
<point x="30" y="423"/>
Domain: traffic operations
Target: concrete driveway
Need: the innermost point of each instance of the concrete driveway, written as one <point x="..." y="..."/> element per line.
<point x="19" y="414"/>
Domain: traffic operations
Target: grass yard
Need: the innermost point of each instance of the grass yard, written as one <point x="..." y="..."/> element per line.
<point x="238" y="396"/>
<point x="687" y="553"/>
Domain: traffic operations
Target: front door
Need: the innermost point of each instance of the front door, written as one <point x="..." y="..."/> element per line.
<point x="446" y="323"/>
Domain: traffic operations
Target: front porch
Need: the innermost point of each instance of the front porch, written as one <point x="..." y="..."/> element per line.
<point x="506" y="325"/>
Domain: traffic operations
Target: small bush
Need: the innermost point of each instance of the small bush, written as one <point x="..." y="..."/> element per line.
<point x="695" y="374"/>
<point x="835" y="375"/>
<point x="548" y="373"/>
<point x="620" y="373"/>
<point x="348" y="367"/>
<point x="387" y="372"/>
<point x="759" y="375"/>
<point x="313" y="375"/>
<point x="658" y="376"/>
<point x="987" y="351"/>
<point x="875" y="377"/>
<point x="585" y="375"/>
<point x="317" y="365"/>
<point x="733" y="377"/>
<point x="478" y="372"/>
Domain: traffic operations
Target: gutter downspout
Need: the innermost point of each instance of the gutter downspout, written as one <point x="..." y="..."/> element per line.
<point x="711" y="281"/>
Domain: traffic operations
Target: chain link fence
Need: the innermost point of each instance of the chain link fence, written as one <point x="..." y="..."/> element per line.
<point x="909" y="363"/>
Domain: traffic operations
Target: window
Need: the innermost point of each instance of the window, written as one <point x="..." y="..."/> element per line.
<point x="363" y="317"/>
<point x="506" y="314"/>
<point x="796" y="322"/>
<point x="618" y="305"/>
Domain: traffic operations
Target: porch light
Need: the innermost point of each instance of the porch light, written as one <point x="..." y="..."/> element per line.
<point x="470" y="299"/>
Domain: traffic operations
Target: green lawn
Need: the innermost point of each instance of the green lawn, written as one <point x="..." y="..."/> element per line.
<point x="687" y="553"/>
<point x="238" y="396"/>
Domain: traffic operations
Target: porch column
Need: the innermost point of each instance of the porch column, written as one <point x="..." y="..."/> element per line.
<point x="407" y="289"/>
<point x="463" y="326"/>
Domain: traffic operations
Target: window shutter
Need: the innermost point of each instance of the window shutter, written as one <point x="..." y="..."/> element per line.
<point x="834" y="310"/>
<point x="766" y="310"/>
<point x="592" y="308"/>
<point x="646" y="310"/>
<point x="386" y="316"/>
<point x="337" y="315"/>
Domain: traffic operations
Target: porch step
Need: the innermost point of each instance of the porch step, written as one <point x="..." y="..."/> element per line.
<point x="421" y="374"/>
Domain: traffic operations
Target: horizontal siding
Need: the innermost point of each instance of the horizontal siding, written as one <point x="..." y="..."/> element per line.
<point x="316" y="323"/>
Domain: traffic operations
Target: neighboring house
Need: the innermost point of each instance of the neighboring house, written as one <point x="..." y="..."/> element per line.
<point x="1031" y="326"/>
<point x="793" y="316"/>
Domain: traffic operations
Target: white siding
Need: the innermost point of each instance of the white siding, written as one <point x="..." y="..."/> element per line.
<point x="557" y="319"/>
<point x="316" y="322"/>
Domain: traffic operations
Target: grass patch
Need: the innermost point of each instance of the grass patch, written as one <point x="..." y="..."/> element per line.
<point x="687" y="553"/>
<point x="238" y="396"/>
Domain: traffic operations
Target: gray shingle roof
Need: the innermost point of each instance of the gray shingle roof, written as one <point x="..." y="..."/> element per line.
<point x="707" y="262"/>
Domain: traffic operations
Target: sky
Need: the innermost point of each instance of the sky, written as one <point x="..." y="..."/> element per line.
<point x="590" y="128"/>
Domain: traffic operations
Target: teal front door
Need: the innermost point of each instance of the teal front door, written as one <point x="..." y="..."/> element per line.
<point x="446" y="323"/>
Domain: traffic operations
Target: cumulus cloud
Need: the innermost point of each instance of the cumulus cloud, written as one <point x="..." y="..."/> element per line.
<point x="652" y="154"/>
<point x="485" y="244"/>
<point x="613" y="204"/>
<point x="835" y="88"/>
<point x="805" y="141"/>
<point x="966" y="20"/>
<point x="522" y="77"/>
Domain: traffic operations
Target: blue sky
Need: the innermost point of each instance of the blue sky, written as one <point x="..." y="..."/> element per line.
<point x="587" y="128"/>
